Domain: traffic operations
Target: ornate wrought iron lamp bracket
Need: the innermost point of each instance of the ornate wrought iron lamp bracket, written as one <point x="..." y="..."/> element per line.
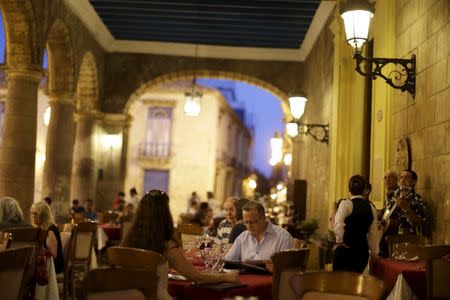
<point x="318" y="131"/>
<point x="403" y="78"/>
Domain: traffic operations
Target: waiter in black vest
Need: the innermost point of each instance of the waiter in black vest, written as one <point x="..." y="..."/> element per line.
<point x="356" y="229"/>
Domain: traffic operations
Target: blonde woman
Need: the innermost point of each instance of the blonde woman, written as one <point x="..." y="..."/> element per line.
<point x="41" y="217"/>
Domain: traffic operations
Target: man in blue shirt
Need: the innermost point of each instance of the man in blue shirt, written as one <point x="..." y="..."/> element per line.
<point x="262" y="238"/>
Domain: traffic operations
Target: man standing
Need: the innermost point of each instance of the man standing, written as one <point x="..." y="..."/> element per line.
<point x="224" y="228"/>
<point x="134" y="198"/>
<point x="262" y="238"/>
<point x="391" y="183"/>
<point x="411" y="213"/>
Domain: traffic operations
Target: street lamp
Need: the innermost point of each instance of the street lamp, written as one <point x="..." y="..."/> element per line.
<point x="357" y="15"/>
<point x="295" y="127"/>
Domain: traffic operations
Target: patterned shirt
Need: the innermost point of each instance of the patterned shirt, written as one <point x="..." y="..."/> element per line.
<point x="417" y="206"/>
<point x="246" y="247"/>
<point x="223" y="230"/>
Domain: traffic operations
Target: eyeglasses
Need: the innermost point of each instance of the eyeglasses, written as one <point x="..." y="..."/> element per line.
<point x="246" y="223"/>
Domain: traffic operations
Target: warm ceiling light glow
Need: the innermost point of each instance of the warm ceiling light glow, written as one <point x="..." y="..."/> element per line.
<point x="112" y="140"/>
<point x="192" y="105"/>
<point x="252" y="184"/>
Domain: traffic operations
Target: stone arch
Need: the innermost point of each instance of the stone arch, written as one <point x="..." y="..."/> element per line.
<point x="87" y="87"/>
<point x="60" y="60"/>
<point x="185" y="75"/>
<point x="21" y="37"/>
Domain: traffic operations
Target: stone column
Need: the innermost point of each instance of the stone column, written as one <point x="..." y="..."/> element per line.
<point x="18" y="146"/>
<point x="83" y="167"/>
<point x="58" y="153"/>
<point x="112" y="158"/>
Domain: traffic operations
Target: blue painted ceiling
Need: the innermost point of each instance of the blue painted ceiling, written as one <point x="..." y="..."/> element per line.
<point x="244" y="23"/>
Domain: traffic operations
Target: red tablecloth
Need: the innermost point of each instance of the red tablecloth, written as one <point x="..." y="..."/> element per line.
<point x="388" y="270"/>
<point x="257" y="285"/>
<point x="112" y="231"/>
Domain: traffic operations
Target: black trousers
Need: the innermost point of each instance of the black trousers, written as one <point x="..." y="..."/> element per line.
<point x="350" y="259"/>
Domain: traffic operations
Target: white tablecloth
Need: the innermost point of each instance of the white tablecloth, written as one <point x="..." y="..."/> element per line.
<point x="49" y="291"/>
<point x="401" y="290"/>
<point x="102" y="238"/>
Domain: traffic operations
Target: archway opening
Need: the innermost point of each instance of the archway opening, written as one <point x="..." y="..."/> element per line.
<point x="169" y="150"/>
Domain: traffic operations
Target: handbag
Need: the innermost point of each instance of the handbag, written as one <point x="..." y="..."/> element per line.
<point x="41" y="264"/>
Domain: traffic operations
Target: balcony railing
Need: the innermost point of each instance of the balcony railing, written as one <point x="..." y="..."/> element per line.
<point x="154" y="150"/>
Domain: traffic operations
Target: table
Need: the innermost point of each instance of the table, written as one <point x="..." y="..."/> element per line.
<point x="395" y="273"/>
<point x="257" y="285"/>
<point x="112" y="231"/>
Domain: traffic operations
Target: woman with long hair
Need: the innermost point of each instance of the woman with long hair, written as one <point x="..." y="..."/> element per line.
<point x="11" y="214"/>
<point x="41" y="217"/>
<point x="152" y="229"/>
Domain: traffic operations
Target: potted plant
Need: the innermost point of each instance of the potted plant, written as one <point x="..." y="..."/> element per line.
<point x="307" y="228"/>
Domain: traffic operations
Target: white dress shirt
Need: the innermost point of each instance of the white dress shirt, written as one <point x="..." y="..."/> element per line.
<point x="247" y="247"/>
<point x="344" y="210"/>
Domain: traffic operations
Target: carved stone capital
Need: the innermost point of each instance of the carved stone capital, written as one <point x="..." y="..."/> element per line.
<point x="27" y="72"/>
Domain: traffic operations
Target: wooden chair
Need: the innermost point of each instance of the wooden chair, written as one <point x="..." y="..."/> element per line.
<point x="105" y="284"/>
<point x="336" y="285"/>
<point x="188" y="232"/>
<point x="408" y="244"/>
<point x="23" y="237"/>
<point x="5" y="240"/>
<point x="438" y="271"/>
<point x="82" y="252"/>
<point x="286" y="264"/>
<point x="68" y="234"/>
<point x="299" y="244"/>
<point x="13" y="263"/>
<point x="134" y="258"/>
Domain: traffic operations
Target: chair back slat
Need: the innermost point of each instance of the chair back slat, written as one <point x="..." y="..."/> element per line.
<point x="134" y="258"/>
<point x="84" y="241"/>
<point x="286" y="264"/>
<point x="13" y="263"/>
<point x="337" y="283"/>
<point x="5" y="240"/>
<point x="188" y="232"/>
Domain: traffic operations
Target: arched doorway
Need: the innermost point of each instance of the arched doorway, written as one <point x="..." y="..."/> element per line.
<point x="166" y="94"/>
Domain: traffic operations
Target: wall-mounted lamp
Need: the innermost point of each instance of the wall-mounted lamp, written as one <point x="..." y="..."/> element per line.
<point x="357" y="15"/>
<point x="276" y="144"/>
<point x="294" y="127"/>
